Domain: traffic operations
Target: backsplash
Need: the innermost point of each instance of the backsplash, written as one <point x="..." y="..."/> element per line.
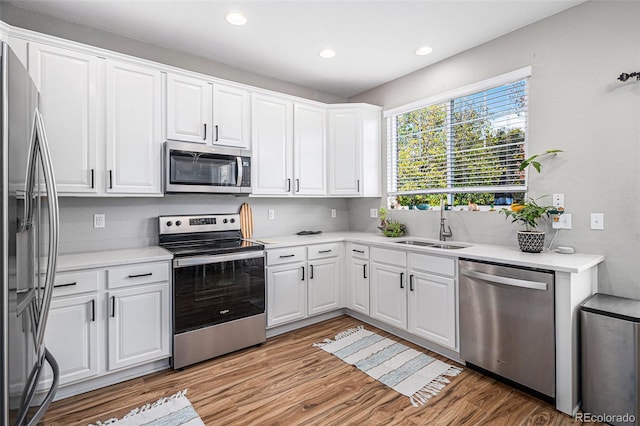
<point x="132" y="222"/>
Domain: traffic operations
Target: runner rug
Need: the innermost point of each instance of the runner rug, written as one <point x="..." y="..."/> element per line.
<point x="405" y="370"/>
<point x="172" y="410"/>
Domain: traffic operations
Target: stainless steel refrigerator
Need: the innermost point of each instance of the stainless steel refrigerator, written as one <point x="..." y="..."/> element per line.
<point x="29" y="228"/>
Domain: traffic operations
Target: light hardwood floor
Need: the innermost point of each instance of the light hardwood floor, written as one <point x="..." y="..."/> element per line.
<point x="287" y="381"/>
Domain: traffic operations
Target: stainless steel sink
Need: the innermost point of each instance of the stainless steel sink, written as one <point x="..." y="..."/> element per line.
<point x="443" y="246"/>
<point x="416" y="243"/>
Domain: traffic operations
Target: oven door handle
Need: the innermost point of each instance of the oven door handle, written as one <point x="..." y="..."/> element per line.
<point x="219" y="258"/>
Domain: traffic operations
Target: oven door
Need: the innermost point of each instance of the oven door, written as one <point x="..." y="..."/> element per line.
<point x="210" y="290"/>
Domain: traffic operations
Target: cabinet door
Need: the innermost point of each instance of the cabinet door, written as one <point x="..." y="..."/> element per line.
<point x="67" y="82"/>
<point x="138" y="325"/>
<point x="189" y="109"/>
<point x="432" y="307"/>
<point x="286" y="293"/>
<point x="345" y="156"/>
<point x="272" y="145"/>
<point x="358" y="286"/>
<point x="388" y="294"/>
<point x="230" y="116"/>
<point x="133" y="129"/>
<point x="324" y="286"/>
<point x="72" y="338"/>
<point x="309" y="149"/>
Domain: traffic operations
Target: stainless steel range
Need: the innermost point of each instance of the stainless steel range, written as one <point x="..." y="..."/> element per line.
<point x="218" y="286"/>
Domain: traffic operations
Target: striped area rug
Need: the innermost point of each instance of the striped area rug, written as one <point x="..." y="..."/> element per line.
<point x="405" y="370"/>
<point x="174" y="410"/>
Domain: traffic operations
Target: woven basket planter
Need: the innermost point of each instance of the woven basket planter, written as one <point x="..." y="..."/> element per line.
<point x="531" y="241"/>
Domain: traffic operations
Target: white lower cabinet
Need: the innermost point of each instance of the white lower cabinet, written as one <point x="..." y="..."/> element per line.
<point x="287" y="293"/>
<point x="358" y="272"/>
<point x="138" y="325"/>
<point x="302" y="282"/>
<point x="72" y="338"/>
<point x="415" y="292"/>
<point x="105" y="320"/>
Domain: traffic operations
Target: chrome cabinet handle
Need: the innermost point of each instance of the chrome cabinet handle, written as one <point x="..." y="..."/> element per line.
<point x="401" y="279"/>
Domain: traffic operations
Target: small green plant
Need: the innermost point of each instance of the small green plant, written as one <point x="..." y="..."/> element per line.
<point x="390" y="227"/>
<point x="528" y="213"/>
<point x="531" y="161"/>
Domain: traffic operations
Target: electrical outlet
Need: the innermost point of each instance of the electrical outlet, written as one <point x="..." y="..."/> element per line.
<point x="597" y="220"/>
<point x="562" y="221"/>
<point x="558" y="200"/>
<point x="373" y="213"/>
<point x="99" y="220"/>
<point x="272" y="214"/>
<point x="333" y="213"/>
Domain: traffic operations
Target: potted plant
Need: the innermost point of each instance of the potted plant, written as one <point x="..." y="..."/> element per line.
<point x="529" y="213"/>
<point x="390" y="227"/>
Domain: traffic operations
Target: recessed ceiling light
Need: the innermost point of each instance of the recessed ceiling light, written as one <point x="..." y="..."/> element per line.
<point x="235" y="18"/>
<point x="327" y="53"/>
<point x="423" y="50"/>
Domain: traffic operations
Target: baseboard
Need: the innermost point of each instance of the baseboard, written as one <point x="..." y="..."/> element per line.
<point x="285" y="328"/>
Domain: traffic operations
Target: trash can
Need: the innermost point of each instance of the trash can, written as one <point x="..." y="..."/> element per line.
<point x="610" y="332"/>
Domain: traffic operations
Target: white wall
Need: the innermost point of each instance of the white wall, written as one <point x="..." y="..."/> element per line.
<point x="577" y="105"/>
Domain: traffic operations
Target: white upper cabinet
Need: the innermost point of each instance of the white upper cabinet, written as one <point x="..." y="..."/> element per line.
<point x="310" y="150"/>
<point x="289" y="147"/>
<point x="231" y="116"/>
<point x="133" y="128"/>
<point x="205" y="112"/>
<point x="68" y="85"/>
<point x="354" y="151"/>
<point x="272" y="145"/>
<point x="189" y="115"/>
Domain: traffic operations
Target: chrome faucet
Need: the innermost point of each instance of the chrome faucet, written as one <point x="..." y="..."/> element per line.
<point x="444" y="234"/>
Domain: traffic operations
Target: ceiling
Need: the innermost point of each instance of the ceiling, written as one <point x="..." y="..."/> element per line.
<point x="375" y="41"/>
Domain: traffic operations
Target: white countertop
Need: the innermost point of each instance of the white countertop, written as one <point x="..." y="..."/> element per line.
<point x="101" y="259"/>
<point x="572" y="263"/>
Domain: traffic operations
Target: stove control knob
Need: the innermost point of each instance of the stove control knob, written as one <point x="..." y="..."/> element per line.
<point x="169" y="223"/>
<point x="232" y="220"/>
<point x="178" y="223"/>
<point x="224" y="220"/>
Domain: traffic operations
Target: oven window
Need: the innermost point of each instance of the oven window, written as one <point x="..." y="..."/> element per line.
<point x="193" y="168"/>
<point x="211" y="294"/>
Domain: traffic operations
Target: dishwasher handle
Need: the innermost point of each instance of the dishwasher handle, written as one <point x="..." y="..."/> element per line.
<point x="514" y="282"/>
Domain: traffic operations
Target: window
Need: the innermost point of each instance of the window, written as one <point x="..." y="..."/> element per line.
<point x="467" y="144"/>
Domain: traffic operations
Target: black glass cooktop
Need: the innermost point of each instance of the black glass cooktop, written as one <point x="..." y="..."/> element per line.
<point x="210" y="247"/>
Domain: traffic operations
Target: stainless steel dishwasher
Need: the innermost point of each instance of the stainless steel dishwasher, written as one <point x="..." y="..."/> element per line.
<point x="507" y="324"/>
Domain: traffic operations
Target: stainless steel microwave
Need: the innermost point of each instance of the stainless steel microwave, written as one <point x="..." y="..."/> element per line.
<point x="198" y="168"/>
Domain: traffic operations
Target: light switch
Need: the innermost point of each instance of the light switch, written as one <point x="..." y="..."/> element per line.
<point x="272" y="214"/>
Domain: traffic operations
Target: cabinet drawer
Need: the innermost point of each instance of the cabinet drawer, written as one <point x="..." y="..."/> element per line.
<point x="435" y="264"/>
<point x="359" y="251"/>
<point x="321" y="251"/>
<point x="392" y="257"/>
<point x="285" y="255"/>
<point x="67" y="283"/>
<point x="144" y="273"/>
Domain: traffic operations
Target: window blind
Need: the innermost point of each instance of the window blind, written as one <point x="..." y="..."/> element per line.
<point x="467" y="144"/>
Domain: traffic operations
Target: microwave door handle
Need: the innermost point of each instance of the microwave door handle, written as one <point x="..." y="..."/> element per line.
<point x="239" y="166"/>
